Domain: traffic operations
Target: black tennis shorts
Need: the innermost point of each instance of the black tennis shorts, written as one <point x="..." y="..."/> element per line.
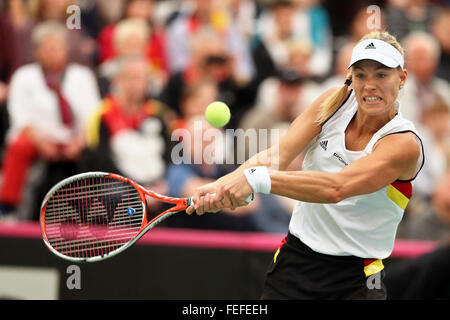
<point x="297" y="272"/>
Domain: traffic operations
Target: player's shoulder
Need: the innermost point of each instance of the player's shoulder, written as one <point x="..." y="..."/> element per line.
<point x="404" y="144"/>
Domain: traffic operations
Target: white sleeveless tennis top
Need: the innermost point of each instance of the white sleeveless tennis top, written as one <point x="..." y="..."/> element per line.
<point x="365" y="225"/>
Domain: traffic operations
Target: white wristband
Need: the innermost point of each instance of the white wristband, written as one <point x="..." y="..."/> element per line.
<point x="259" y="179"/>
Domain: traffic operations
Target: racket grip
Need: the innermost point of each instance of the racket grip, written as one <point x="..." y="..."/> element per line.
<point x="190" y="200"/>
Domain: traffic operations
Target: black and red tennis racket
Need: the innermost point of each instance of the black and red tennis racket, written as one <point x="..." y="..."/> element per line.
<point x="93" y="216"/>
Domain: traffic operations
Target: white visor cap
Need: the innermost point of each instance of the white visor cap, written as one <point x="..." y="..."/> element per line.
<point x="378" y="50"/>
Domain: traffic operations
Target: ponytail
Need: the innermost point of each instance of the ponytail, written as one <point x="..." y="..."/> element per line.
<point x="334" y="101"/>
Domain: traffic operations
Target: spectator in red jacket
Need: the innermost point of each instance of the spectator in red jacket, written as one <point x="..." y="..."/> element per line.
<point x="136" y="9"/>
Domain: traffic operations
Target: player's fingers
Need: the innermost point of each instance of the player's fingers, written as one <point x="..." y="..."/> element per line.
<point x="196" y="199"/>
<point x="206" y="203"/>
<point x="212" y="203"/>
<point x="190" y="209"/>
<point x="218" y="198"/>
<point x="199" y="206"/>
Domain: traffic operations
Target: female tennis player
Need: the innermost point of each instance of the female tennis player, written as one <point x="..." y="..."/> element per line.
<point x="361" y="156"/>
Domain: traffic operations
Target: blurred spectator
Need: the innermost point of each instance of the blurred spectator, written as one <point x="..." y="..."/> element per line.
<point x="404" y="17"/>
<point x="110" y="11"/>
<point x="92" y="20"/>
<point x="435" y="133"/>
<point x="81" y="47"/>
<point x="436" y="118"/>
<point x="299" y="54"/>
<point x="194" y="100"/>
<point x="199" y="169"/>
<point x="197" y="97"/>
<point x="15" y="31"/>
<point x="361" y="23"/>
<point x="340" y="67"/>
<point x="128" y="134"/>
<point x="205" y="47"/>
<point x="263" y="214"/>
<point x="320" y="35"/>
<point x="282" y="97"/>
<point x="131" y="37"/>
<point x="166" y="11"/>
<point x="280" y="100"/>
<point x="48" y="104"/>
<point x="154" y="43"/>
<point x="269" y="45"/>
<point x="440" y="29"/>
<point x="211" y="60"/>
<point x="431" y="222"/>
<point x="198" y="15"/>
<point x="422" y="87"/>
<point x="244" y="14"/>
<point x="284" y="23"/>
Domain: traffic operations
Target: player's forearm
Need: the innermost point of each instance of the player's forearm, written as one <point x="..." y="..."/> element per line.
<point x="268" y="158"/>
<point x="308" y="186"/>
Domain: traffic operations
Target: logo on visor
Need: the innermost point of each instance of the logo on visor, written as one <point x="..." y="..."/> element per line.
<point x="370" y="46"/>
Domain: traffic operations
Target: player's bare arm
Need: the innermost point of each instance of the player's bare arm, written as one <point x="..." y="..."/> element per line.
<point x="395" y="157"/>
<point x="303" y="129"/>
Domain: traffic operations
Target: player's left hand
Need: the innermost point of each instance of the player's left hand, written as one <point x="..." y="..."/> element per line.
<point x="234" y="193"/>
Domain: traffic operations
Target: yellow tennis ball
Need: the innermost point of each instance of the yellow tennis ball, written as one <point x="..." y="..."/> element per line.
<point x="218" y="114"/>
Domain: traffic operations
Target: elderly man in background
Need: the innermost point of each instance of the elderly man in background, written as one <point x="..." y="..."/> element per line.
<point x="423" y="87"/>
<point x="423" y="97"/>
<point x="48" y="104"/>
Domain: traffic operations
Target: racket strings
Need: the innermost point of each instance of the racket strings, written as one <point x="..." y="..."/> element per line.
<point x="92" y="212"/>
<point x="114" y="187"/>
<point x="93" y="216"/>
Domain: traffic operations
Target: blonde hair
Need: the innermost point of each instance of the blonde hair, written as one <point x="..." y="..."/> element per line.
<point x="42" y="30"/>
<point x="130" y="27"/>
<point x="335" y="100"/>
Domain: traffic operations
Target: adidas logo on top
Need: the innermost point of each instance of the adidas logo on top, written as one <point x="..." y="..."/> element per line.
<point x="324" y="144"/>
<point x="370" y="46"/>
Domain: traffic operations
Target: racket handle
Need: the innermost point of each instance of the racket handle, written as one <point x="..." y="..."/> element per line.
<point x="190" y="200"/>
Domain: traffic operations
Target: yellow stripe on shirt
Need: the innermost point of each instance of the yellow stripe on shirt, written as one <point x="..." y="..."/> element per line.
<point x="397" y="197"/>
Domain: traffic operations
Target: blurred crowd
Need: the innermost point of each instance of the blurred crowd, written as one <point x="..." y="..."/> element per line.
<point x="102" y="85"/>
